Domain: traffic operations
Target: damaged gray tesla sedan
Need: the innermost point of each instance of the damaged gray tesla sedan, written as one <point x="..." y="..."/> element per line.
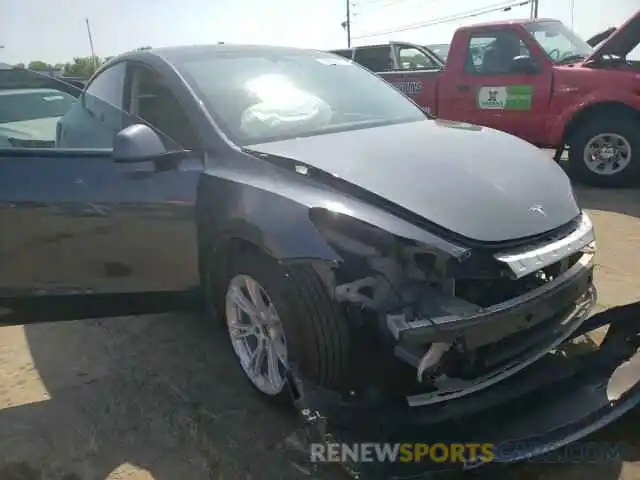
<point x="359" y="253"/>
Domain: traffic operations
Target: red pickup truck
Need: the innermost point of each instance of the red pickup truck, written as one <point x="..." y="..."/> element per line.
<point x="535" y="79"/>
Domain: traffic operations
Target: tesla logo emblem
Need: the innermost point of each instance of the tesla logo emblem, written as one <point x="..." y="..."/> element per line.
<point x="537" y="209"/>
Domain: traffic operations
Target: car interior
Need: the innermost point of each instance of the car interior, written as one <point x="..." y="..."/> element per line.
<point x="499" y="55"/>
<point x="153" y="102"/>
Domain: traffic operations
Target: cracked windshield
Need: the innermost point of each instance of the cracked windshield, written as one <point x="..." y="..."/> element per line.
<point x="319" y="240"/>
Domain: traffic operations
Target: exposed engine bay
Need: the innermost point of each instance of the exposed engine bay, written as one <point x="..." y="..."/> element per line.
<point x="458" y="324"/>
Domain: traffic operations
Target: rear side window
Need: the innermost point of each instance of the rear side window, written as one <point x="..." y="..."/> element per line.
<point x="413" y="59"/>
<point x="376" y="59"/>
<point x="109" y="85"/>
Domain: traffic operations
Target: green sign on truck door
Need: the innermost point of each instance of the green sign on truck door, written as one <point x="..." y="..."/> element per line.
<point x="511" y="97"/>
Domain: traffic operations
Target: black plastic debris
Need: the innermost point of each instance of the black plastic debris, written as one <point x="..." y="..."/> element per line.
<point x="552" y="403"/>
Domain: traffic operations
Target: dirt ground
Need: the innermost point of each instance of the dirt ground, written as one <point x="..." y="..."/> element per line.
<point x="161" y="397"/>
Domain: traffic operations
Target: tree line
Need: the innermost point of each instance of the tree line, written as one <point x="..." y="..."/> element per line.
<point x="79" y="67"/>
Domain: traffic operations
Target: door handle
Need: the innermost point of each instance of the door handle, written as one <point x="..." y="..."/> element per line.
<point x="463" y="88"/>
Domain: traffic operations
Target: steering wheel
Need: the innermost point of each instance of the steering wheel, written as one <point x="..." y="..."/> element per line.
<point x="554" y="53"/>
<point x="566" y="54"/>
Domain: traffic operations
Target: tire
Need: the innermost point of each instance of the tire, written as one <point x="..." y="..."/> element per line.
<point x="314" y="328"/>
<point x="626" y="128"/>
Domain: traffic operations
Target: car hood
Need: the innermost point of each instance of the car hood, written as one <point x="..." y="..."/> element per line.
<point x="600" y="37"/>
<point x="480" y="183"/>
<point x="619" y="41"/>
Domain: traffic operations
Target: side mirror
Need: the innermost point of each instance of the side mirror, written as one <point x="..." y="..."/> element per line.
<point x="524" y="64"/>
<point x="140" y="143"/>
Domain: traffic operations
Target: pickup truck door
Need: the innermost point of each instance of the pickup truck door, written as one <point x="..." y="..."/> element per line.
<point x="83" y="235"/>
<point x="474" y="91"/>
<point x="414" y="72"/>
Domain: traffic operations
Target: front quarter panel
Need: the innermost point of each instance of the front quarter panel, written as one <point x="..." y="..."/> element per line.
<point x="247" y="198"/>
<point x="578" y="88"/>
<point x="231" y="209"/>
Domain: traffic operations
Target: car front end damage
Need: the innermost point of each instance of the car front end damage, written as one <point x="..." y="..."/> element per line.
<point x="468" y="343"/>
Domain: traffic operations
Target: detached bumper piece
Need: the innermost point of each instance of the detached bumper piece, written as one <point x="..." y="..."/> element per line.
<point x="560" y="398"/>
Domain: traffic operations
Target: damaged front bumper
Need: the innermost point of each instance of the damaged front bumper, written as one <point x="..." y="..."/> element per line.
<point x="525" y="387"/>
<point x="520" y="331"/>
<point x="457" y="320"/>
<point x="487" y="356"/>
<point x="557" y="400"/>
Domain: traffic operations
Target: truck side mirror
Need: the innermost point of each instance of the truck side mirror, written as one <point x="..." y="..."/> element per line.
<point x="524" y="64"/>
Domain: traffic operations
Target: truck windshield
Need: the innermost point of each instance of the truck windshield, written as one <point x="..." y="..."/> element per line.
<point x="559" y="42"/>
<point x="268" y="95"/>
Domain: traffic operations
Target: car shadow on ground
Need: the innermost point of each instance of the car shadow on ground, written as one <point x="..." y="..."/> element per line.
<point x="163" y="394"/>
<point x="624" y="201"/>
<point x="620" y="201"/>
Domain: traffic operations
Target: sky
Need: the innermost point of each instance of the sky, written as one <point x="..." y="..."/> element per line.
<point x="55" y="31"/>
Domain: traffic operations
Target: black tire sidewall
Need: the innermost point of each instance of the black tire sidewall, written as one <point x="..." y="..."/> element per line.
<point x="625" y="127"/>
<point x="315" y="330"/>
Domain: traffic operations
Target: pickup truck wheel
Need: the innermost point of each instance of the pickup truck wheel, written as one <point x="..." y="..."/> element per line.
<point x="275" y="314"/>
<point x="605" y="152"/>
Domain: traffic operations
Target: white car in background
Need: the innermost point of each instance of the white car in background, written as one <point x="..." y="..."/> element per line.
<point x="29" y="116"/>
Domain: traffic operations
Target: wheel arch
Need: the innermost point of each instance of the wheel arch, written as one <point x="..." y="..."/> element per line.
<point x="221" y="239"/>
<point x="601" y="109"/>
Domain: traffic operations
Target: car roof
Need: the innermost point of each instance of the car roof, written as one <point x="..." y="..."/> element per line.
<point x="178" y="51"/>
<point x="360" y="47"/>
<point x="24" y="91"/>
<point x="500" y="23"/>
<point x="150" y="55"/>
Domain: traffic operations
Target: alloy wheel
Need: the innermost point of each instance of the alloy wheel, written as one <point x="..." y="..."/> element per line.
<point x="256" y="334"/>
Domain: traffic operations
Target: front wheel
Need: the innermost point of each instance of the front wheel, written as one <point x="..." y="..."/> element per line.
<point x="257" y="334"/>
<point x="274" y="314"/>
<point x="605" y="152"/>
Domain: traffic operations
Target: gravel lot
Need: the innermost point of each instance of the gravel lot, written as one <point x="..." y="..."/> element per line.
<point x="161" y="397"/>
